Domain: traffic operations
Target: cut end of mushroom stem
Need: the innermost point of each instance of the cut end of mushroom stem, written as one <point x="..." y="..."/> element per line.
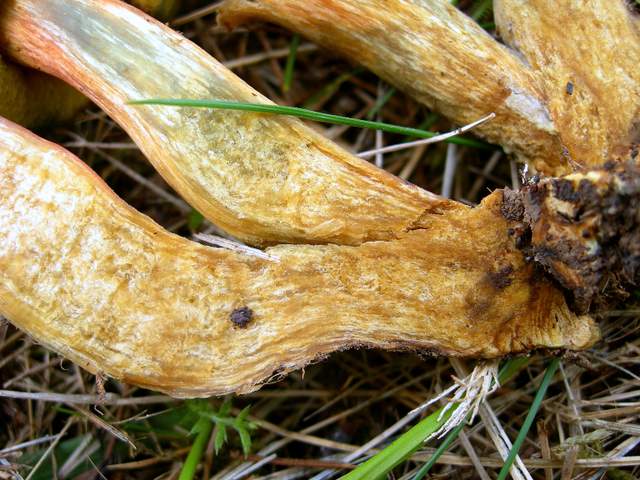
<point x="584" y="229"/>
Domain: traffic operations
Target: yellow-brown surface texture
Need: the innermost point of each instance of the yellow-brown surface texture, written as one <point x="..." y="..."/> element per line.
<point x="434" y="52"/>
<point x="34" y="99"/>
<point x="162" y="9"/>
<point x="105" y="286"/>
<point x="264" y="179"/>
<point x="570" y="97"/>
<point x="586" y="55"/>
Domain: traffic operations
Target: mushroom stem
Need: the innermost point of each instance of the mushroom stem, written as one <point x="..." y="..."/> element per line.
<point x="435" y="53"/>
<point x="161" y="9"/>
<point x="102" y="284"/>
<point x="34" y="99"/>
<point x="587" y="56"/>
<point x="264" y="179"/>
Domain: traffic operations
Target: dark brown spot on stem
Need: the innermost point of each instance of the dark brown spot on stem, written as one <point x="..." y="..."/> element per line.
<point x="569" y="88"/>
<point x="502" y="278"/>
<point x="241" y="317"/>
<point x="563" y="190"/>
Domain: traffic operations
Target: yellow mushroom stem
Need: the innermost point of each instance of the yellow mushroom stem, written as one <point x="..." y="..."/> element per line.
<point x="34" y="99"/>
<point x="587" y="56"/>
<point x="265" y="179"/>
<point x="161" y="9"/>
<point x="432" y="51"/>
<point x="103" y="285"/>
<point x="575" y="104"/>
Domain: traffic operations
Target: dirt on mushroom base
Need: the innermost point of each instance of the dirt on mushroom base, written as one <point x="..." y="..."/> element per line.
<point x="583" y="230"/>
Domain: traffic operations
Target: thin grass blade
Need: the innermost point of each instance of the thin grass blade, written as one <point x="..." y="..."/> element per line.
<point x="291" y="62"/>
<point x="307" y="115"/>
<point x="535" y="406"/>
<point x="398" y="451"/>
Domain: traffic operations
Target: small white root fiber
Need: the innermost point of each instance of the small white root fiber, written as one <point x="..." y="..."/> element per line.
<point x="467" y="395"/>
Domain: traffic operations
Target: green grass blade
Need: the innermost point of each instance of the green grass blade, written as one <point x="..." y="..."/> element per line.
<point x="411" y="440"/>
<point x="453" y="434"/>
<point x="399" y="450"/>
<point x="194" y="220"/>
<point x="291" y="62"/>
<point x="512" y="367"/>
<point x="220" y="439"/>
<point x="306" y="114"/>
<point x="381" y="102"/>
<point x="481" y="9"/>
<point x="528" y="421"/>
<point x="204" y="427"/>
